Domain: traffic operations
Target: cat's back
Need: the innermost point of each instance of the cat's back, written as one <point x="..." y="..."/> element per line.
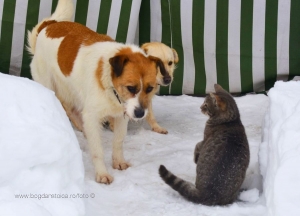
<point x="233" y="142"/>
<point x="226" y="141"/>
<point x="223" y="160"/>
<point x="232" y="133"/>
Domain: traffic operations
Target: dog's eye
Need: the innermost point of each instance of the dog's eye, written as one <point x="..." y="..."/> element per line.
<point x="131" y="89"/>
<point x="170" y="63"/>
<point x="149" y="89"/>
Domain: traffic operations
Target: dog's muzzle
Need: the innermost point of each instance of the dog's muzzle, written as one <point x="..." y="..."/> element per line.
<point x="167" y="80"/>
<point x="139" y="112"/>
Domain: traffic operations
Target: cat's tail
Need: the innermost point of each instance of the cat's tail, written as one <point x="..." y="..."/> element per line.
<point x="186" y="189"/>
<point x="64" y="12"/>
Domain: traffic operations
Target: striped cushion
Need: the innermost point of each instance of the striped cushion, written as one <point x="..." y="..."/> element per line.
<point x="244" y="45"/>
<point x="113" y="17"/>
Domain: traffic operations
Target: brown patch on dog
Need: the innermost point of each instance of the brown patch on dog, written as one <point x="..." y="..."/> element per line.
<point x="45" y="24"/>
<point x="137" y="70"/>
<point x="75" y="35"/>
<point x="99" y="73"/>
<point x="126" y="51"/>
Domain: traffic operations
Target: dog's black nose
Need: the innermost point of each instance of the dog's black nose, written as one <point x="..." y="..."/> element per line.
<point x="139" y="112"/>
<point x="167" y="80"/>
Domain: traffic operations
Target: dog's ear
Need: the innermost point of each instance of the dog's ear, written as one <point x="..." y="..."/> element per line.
<point x="117" y="63"/>
<point x="159" y="64"/>
<point x="166" y="76"/>
<point x="176" y="59"/>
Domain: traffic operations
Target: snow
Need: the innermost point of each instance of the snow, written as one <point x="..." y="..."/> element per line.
<point x="139" y="189"/>
<point x="251" y="195"/>
<point x="280" y="150"/>
<point x="39" y="152"/>
<point x="40" y="155"/>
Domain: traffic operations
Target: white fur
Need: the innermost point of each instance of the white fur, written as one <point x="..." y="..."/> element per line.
<point x="81" y="89"/>
<point x="95" y="103"/>
<point x="132" y="104"/>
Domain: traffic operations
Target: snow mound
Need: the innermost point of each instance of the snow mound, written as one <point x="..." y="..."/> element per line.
<point x="280" y="151"/>
<point x="250" y="195"/>
<point x="41" y="169"/>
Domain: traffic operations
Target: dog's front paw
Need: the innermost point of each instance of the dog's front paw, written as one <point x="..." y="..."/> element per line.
<point x="160" y="130"/>
<point x="121" y="165"/>
<point x="104" y="178"/>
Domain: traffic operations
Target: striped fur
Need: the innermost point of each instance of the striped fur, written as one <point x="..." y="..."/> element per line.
<point x="184" y="188"/>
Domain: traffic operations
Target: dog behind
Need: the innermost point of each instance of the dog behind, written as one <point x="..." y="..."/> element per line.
<point x="169" y="57"/>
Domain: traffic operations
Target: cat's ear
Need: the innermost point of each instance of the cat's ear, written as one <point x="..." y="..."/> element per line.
<point x="219" y="88"/>
<point x="218" y="101"/>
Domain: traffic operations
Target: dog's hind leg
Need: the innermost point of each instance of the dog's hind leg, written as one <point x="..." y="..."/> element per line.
<point x="74" y="116"/>
<point x="152" y="121"/>
<point x="120" y="131"/>
<point x="38" y="73"/>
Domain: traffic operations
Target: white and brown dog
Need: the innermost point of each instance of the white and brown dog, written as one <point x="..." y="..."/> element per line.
<point x="169" y="57"/>
<point x="93" y="77"/>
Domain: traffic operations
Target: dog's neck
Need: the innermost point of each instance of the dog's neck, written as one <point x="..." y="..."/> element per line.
<point x="117" y="96"/>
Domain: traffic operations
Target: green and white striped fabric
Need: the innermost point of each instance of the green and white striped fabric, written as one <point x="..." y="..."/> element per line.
<point x="117" y="18"/>
<point x="244" y="45"/>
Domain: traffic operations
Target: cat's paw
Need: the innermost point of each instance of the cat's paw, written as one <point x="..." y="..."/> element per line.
<point x="104" y="178"/>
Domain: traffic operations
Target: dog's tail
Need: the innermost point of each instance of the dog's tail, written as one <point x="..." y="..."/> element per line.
<point x="184" y="188"/>
<point x="64" y="12"/>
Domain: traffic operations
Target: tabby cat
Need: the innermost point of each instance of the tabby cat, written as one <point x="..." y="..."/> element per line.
<point x="222" y="157"/>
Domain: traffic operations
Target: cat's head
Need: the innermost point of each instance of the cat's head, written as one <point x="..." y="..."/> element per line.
<point x="220" y="105"/>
